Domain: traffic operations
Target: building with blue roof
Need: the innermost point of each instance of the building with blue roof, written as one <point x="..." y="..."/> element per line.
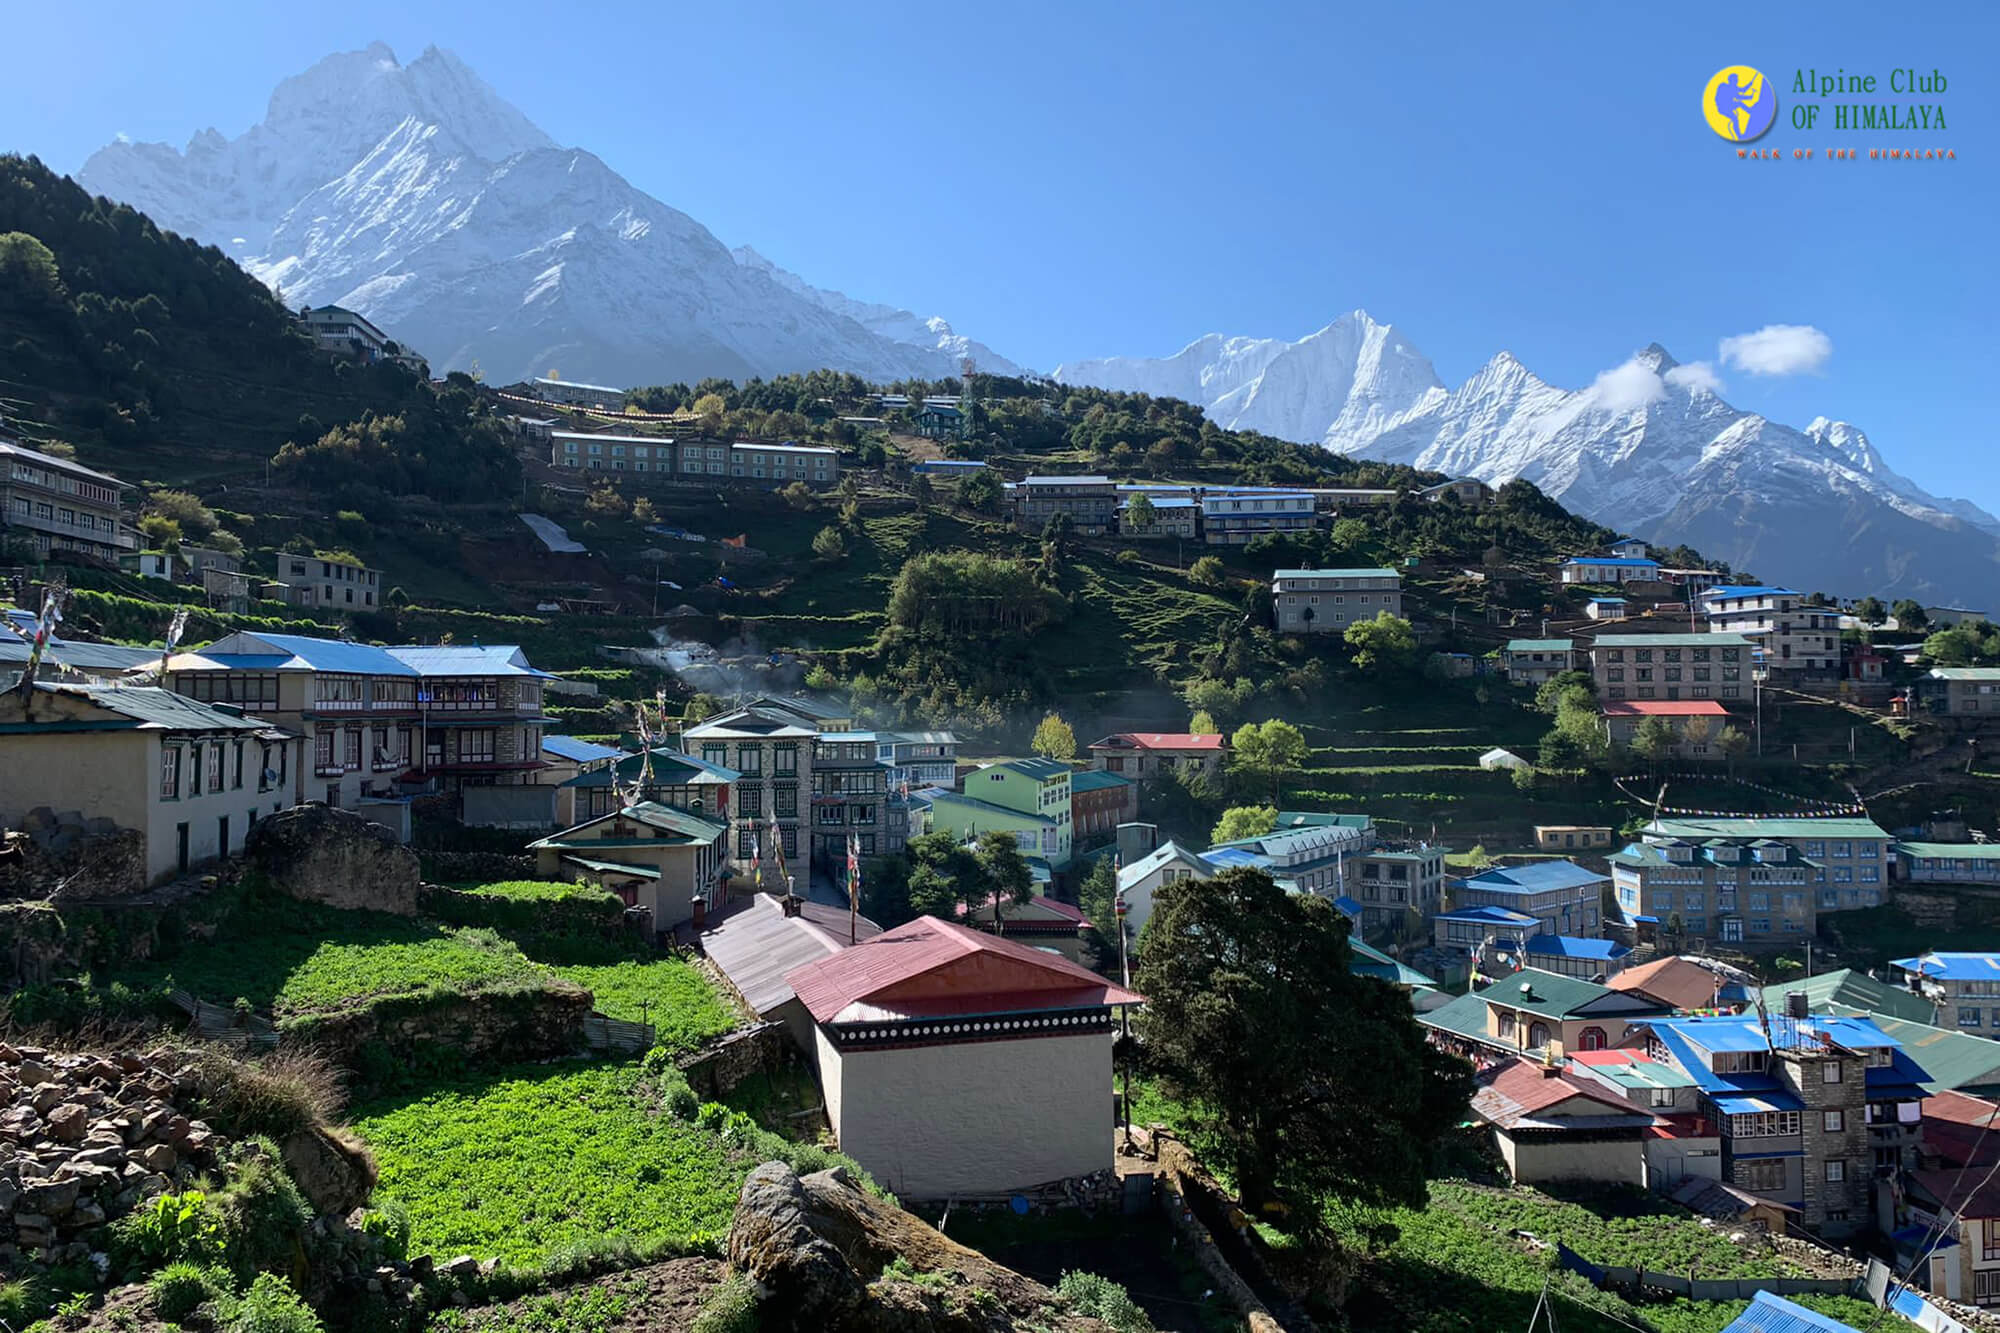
<point x="1602" y="569"/>
<point x="1140" y="881"/>
<point x="1570" y="956"/>
<point x="1964" y="987"/>
<point x="1796" y="639"/>
<point x="1774" y="1314"/>
<point x="1565" y="896"/>
<point x="1812" y="1107"/>
<point x="1233" y="518"/>
<point x="380" y="721"/>
<point x="1172" y="516"/>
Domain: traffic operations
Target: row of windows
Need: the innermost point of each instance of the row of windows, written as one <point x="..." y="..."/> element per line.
<point x="1673" y="654"/>
<point x="1764" y="1125"/>
<point x="59" y="481"/>
<point x="751" y="843"/>
<point x="192" y="769"/>
<point x="1674" y="692"/>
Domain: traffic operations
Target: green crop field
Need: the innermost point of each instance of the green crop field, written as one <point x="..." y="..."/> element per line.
<point x="290" y="958"/>
<point x="519" y="1165"/>
<point x="673" y="996"/>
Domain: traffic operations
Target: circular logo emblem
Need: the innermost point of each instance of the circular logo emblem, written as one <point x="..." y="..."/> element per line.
<point x="1740" y="103"/>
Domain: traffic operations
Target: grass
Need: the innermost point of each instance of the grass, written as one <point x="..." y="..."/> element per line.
<point x="294" y="958"/>
<point x="537" y="891"/>
<point x="523" y="1164"/>
<point x="672" y="995"/>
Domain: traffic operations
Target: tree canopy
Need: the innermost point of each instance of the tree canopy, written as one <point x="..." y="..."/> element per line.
<point x="1236" y="970"/>
<point x="1385" y="645"/>
<point x="1054" y="738"/>
<point x="1244" y="821"/>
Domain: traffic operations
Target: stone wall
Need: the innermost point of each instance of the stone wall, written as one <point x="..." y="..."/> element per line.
<point x="539" y="1021"/>
<point x="320" y="854"/>
<point x="67" y="856"/>
<point x="476" y="867"/>
<point x="43" y="941"/>
<point x="715" y="1070"/>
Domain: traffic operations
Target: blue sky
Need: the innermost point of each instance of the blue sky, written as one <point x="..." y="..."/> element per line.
<point x="1063" y="181"/>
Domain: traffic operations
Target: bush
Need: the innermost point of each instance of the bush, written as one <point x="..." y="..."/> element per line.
<point x="1208" y="572"/>
<point x="270" y="1306"/>
<point x="390" y="1225"/>
<point x="174" y="1228"/>
<point x="181" y="1288"/>
<point x="730" y="1308"/>
<point x="1101" y="1298"/>
<point x="286" y="1091"/>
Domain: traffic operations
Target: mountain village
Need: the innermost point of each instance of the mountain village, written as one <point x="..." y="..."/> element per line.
<point x="906" y="842"/>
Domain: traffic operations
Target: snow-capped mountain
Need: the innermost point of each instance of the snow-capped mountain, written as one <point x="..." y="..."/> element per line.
<point x="1649" y="448"/>
<point x="416" y="195"/>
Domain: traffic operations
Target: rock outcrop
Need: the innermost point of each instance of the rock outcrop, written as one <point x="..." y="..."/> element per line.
<point x="320" y="854"/>
<point x="817" y="1246"/>
<point x="62" y="855"/>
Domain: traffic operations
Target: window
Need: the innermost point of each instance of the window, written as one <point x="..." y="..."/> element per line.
<point x="170" y="772"/>
<point x="717" y="755"/>
<point x="1830" y="1072"/>
<point x="475" y="747"/>
<point x="1835" y="1170"/>
<point x="750" y="802"/>
<point x="746" y="843"/>
<point x="750" y="760"/>
<point x="1506" y="1025"/>
<point x="1764" y="1125"/>
<point x="236" y="780"/>
<point x="1833" y="1122"/>
<point x="1538" y="1034"/>
<point x="785" y="802"/>
<point x="1661" y="1099"/>
<point x="1968" y="1016"/>
<point x="1764" y="1176"/>
<point x="785" y="758"/>
<point x="351" y="749"/>
<point x="215" y="767"/>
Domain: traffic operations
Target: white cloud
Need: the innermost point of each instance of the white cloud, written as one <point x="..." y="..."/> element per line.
<point x="121" y="137"/>
<point x="1627" y="387"/>
<point x="1698" y="376"/>
<point x="1778" y="349"/>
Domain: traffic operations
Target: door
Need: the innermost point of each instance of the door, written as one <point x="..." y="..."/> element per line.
<point x="222" y="836"/>
<point x="182" y="857"/>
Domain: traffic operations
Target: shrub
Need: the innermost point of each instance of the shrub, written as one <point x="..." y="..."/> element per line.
<point x="181" y="1288"/>
<point x="1208" y="572"/>
<point x="269" y="1306"/>
<point x="730" y="1308"/>
<point x="390" y="1225"/>
<point x="286" y="1091"/>
<point x="175" y="1227"/>
<point x="1101" y="1298"/>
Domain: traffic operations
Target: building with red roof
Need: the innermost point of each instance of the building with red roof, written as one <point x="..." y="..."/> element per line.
<point x="955" y="1062"/>
<point x="1549" y="1125"/>
<point x="1142" y="754"/>
<point x="1696" y="723"/>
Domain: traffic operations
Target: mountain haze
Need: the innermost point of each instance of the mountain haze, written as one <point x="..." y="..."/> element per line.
<point x="1650" y="448"/>
<point x="418" y="196"/>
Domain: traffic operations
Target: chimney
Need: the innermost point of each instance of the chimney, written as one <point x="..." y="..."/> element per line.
<point x="1796" y="1005"/>
<point x="792" y="904"/>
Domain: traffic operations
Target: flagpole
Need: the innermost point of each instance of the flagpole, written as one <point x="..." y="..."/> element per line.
<point x="1118" y="910"/>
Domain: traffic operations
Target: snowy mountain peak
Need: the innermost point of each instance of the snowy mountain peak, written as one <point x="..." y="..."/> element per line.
<point x="1656" y="359"/>
<point x="419" y="196"/>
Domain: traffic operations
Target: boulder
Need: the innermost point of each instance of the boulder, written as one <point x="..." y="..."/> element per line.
<point x="69" y="1123"/>
<point x="334" y="1172"/>
<point x="320" y="854"/>
<point x="809" y="1285"/>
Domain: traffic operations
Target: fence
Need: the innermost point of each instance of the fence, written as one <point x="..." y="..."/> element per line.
<point x="230" y="1027"/>
<point x="602" y="1033"/>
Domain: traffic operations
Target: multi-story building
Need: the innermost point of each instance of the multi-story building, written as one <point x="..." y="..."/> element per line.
<point x="1606" y="608"/>
<point x="1539" y="1013"/>
<point x="916" y="758"/>
<point x="966" y="818"/>
<point x="192" y="777"/>
<point x="338" y="331"/>
<point x="1564" y="896"/>
<point x="1468" y="491"/>
<point x="658" y="457"/>
<point x="1099" y="802"/>
<point x="61" y="506"/>
<point x="600" y="397"/>
<point x="1038" y="787"/>
<point x="1741" y="891"/>
<point x="850" y="792"/>
<point x="823" y="715"/>
<point x="1812" y="1108"/>
<point x="380" y="720"/>
<point x="1671" y="666"/>
<point x="1233" y="517"/>
<point x="1948" y="862"/>
<point x="1173" y="516"/>
<point x="1479" y="931"/>
<point x="1603" y="569"/>
<point x="772" y="755"/>
<point x="1696" y="723"/>
<point x="198" y="560"/>
<point x="1792" y="637"/>
<point x="1320" y="859"/>
<point x="1533" y="661"/>
<point x="1327" y="601"/>
<point x="1961" y="691"/>
<point x="1852" y="857"/>
<point x="1144" y="754"/>
<point x="335" y="582"/>
<point x="1570" y="837"/>
<point x="665" y="777"/>
<point x="1399" y="889"/>
<point x="1964" y="988"/>
<point x="1090" y="504"/>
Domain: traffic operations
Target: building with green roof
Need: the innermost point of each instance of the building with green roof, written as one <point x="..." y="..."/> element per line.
<point x="1951" y="1061"/>
<point x="1855" y="994"/>
<point x="1949" y="862"/>
<point x="1524" y="1011"/>
<point x="1852" y="854"/>
<point x="1533" y="661"/>
<point x="651" y="855"/>
<point x="1038" y="787"/>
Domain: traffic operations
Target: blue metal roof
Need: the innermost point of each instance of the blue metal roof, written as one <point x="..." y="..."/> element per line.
<point x="460" y="659"/>
<point x="1498" y="916"/>
<point x="1534" y="877"/>
<point x="582" y="752"/>
<point x="1758" y="591"/>
<point x="1235" y="856"/>
<point x="1774" y="1314"/>
<point x="1620" y="560"/>
<point x="1571" y="946"/>
<point x="1749" y="1103"/>
<point x="1348" y="906"/>
<point x="1953" y="966"/>
<point x="297" y="652"/>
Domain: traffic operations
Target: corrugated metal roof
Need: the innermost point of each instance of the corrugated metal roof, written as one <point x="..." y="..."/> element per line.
<point x="1953" y="966"/>
<point x="1775" y="1314"/>
<point x="144" y="707"/>
<point x="458" y="659"/>
<point x="297" y="652"/>
<point x="576" y="751"/>
<point x="1335" y="574"/>
<point x="933" y="968"/>
<point x="1534" y="877"/>
<point x="756" y="945"/>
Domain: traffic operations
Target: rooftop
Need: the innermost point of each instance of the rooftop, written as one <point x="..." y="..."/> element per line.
<point x="1670" y="641"/>
<point x="1539" y="645"/>
<point x="1771" y="826"/>
<point x="9" y="449"/>
<point x="1296" y="819"/>
<point x="1534" y="877"/>
<point x="1370" y="961"/>
<point x="1168" y="852"/>
<point x="755" y="944"/>
<point x="552" y="382"/>
<point x="935" y="969"/>
<point x="1097" y="780"/>
<point x="248" y="651"/>
<point x="1846" y="991"/>
<point x="945" y="796"/>
<point x="133" y="708"/>
<point x="1041" y="770"/>
<point x="1727" y="593"/>
<point x="1970" y="851"/>
<point x="1774" y="1314"/>
<point x="1572" y="946"/>
<point x="1161" y="740"/>
<point x="1335" y="574"/>
<point x="1516" y="1092"/>
<point x="458" y="659"/>
<point x="1493" y="916"/>
<point x="1627" y="561"/>
<point x="1662" y="708"/>
<point x="1965" y="673"/>
<point x="1049" y="480"/>
<point x="576" y="751"/>
<point x="1953" y="966"/>
<point x="1676" y="981"/>
<point x="1950" y="1060"/>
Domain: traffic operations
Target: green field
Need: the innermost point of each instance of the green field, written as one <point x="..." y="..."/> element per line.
<point x="519" y="1165"/>
<point x="673" y="996"/>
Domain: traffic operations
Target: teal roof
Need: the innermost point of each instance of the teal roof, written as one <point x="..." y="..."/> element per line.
<point x="1295" y="819"/>
<point x="1965" y="673"/>
<point x="938" y="798"/>
<point x="1774" y="826"/>
<point x="613" y="867"/>
<point x="679" y="825"/>
<point x="1549" y="994"/>
<point x="1670" y="641"/>
<point x="1971" y="851"/>
<point x="1041" y="770"/>
<point x="1097" y="780"/>
<point x="1463" y="1017"/>
<point x="671" y="768"/>
<point x="1372" y="962"/>
<point x="1539" y="645"/>
<point x="1849" y="992"/>
<point x="1950" y="1060"/>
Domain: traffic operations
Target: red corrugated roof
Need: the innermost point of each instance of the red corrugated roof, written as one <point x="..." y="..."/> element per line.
<point x="1518" y="1089"/>
<point x="931" y="968"/>
<point x="1673" y="981"/>
<point x="1163" y="740"/>
<point x="1663" y="708"/>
